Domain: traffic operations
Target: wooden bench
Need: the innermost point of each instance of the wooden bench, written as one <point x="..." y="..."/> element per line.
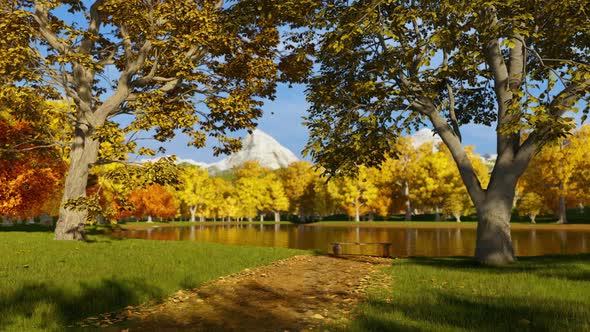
<point x="337" y="247"/>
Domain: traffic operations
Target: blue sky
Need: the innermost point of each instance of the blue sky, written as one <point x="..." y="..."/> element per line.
<point x="282" y="120"/>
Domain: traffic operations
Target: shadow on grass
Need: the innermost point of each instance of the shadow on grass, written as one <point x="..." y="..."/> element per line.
<point x="449" y="312"/>
<point x="28" y="228"/>
<point x="570" y="267"/>
<point x="416" y="306"/>
<point x="49" y="307"/>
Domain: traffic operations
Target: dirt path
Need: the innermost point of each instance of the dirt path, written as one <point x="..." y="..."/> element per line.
<point x="296" y="294"/>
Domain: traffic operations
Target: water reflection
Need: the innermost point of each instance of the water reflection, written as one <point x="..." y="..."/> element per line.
<point x="406" y="241"/>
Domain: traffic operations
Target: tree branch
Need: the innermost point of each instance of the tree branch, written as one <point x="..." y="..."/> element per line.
<point x="41" y="16"/>
<point x="425" y="106"/>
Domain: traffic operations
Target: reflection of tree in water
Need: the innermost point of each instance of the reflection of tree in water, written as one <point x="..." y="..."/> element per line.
<point x="406" y="241"/>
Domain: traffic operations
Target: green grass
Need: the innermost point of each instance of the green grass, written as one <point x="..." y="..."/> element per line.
<point x="47" y="285"/>
<point x="550" y="293"/>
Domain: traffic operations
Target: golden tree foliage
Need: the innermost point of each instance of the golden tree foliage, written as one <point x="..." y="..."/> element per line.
<point x="354" y="194"/>
<point x="197" y="190"/>
<point x="194" y="66"/>
<point x="298" y="181"/>
<point x="559" y="173"/>
<point x="531" y="205"/>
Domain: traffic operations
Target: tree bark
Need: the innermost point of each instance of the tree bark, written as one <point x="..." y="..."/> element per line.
<point x="436" y="213"/>
<point x="494" y="242"/>
<point x="277" y="216"/>
<point x="357" y="215"/>
<point x="193" y="211"/>
<point x="70" y="225"/>
<point x="533" y="217"/>
<point x="262" y="217"/>
<point x="149" y="218"/>
<point x="408" y="202"/>
<point x="457" y="217"/>
<point x="562" y="217"/>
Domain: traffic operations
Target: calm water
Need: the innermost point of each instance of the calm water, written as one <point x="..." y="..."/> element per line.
<point x="406" y="241"/>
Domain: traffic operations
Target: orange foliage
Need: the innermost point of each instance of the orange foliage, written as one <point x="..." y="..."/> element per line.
<point x="29" y="178"/>
<point x="153" y="201"/>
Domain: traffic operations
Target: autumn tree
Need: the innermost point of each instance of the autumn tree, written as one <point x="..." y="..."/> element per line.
<point x="558" y="173"/>
<point x="457" y="204"/>
<point x="29" y="177"/>
<point x="153" y="201"/>
<point x="197" y="190"/>
<point x="355" y="194"/>
<point x="400" y="170"/>
<point x="249" y="188"/>
<point x="384" y="67"/>
<point x="298" y="180"/>
<point x="221" y="190"/>
<point x="531" y="205"/>
<point x="274" y="197"/>
<point x="192" y="66"/>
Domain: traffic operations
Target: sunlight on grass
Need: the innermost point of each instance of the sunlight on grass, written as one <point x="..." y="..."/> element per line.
<point x="47" y="284"/>
<point x="454" y="294"/>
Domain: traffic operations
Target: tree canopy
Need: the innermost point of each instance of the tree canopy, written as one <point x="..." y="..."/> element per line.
<point x="135" y="69"/>
<point x="383" y="67"/>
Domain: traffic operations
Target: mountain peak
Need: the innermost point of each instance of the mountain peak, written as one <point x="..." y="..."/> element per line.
<point x="261" y="147"/>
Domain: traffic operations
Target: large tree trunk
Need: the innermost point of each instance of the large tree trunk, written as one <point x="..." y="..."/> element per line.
<point x="357" y="215"/>
<point x="436" y="213"/>
<point x="70" y="225"/>
<point x="494" y="242"/>
<point x="533" y="217"/>
<point x="277" y="216"/>
<point x="457" y="217"/>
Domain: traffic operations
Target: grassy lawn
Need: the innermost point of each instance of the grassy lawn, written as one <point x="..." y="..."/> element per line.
<point x="550" y="293"/>
<point x="47" y="285"/>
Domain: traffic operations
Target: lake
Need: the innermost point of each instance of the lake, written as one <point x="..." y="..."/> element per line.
<point x="407" y="241"/>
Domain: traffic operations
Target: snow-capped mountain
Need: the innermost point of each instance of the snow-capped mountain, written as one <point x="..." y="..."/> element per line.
<point x="259" y="147"/>
<point x="425" y="135"/>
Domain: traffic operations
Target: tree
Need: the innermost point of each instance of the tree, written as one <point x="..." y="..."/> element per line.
<point x="197" y="191"/>
<point x="29" y="178"/>
<point x="250" y="188"/>
<point x="298" y="179"/>
<point x="557" y="173"/>
<point x="200" y="67"/>
<point x="354" y="194"/>
<point x="386" y="66"/>
<point x="153" y="201"/>
<point x="218" y="202"/>
<point x="457" y="204"/>
<point x="531" y="205"/>
<point x="274" y="198"/>
<point x="401" y="170"/>
<point x="434" y="179"/>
